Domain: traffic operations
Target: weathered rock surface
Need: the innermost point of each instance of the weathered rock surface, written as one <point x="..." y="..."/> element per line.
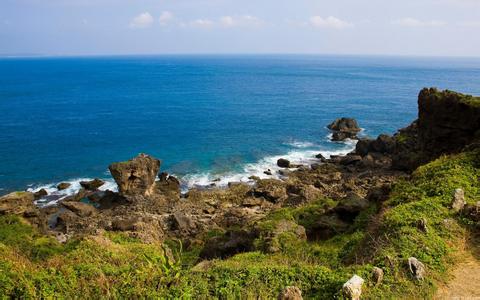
<point x="39" y="194"/>
<point x="92" y="185"/>
<point x="80" y="208"/>
<point x="352" y="289"/>
<point x="283" y="163"/>
<point x="63" y="185"/>
<point x="458" y="201"/>
<point x="377" y="275"/>
<point x="231" y="243"/>
<point x="416" y="268"/>
<point x="344" y="128"/>
<point x="136" y="176"/>
<point x="290" y="293"/>
<point x="17" y="203"/>
<point x="270" y="238"/>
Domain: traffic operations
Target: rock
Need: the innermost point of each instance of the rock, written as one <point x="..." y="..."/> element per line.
<point x="422" y="225"/>
<point x="268" y="172"/>
<point x="301" y="193"/>
<point x="363" y="146"/>
<point x="416" y="268"/>
<point x="379" y="193"/>
<point x="344" y="125"/>
<point x="350" y="159"/>
<point x="80" y="208"/>
<point x="202" y="266"/>
<point x="472" y="212"/>
<point x="252" y="202"/>
<point x="349" y="207"/>
<point x="183" y="223"/>
<point x="352" y="289"/>
<point x="92" y="185"/>
<point x="271" y="189"/>
<point x="284" y="172"/>
<point x="344" y="128"/>
<point x="458" y="201"/>
<point x="377" y="275"/>
<point x="136" y="176"/>
<point x="229" y="244"/>
<point x="283" y="163"/>
<point x="321" y="157"/>
<point x="168" y="184"/>
<point x="124" y="224"/>
<point x="383" y="144"/>
<point x="17" y="203"/>
<point x="290" y="293"/>
<point x="40" y="194"/>
<point x="270" y="238"/>
<point x="327" y="226"/>
<point x="63" y="186"/>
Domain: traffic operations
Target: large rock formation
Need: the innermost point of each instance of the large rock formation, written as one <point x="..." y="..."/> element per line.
<point x="447" y="121"/>
<point x="344" y="128"/>
<point x="136" y="176"/>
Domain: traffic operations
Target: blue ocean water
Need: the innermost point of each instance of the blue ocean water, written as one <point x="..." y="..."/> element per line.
<point x="204" y="116"/>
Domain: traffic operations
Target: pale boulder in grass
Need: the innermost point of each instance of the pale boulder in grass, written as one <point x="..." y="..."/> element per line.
<point x="352" y="289"/>
<point x="416" y="268"/>
<point x="458" y="201"/>
<point x="290" y="293"/>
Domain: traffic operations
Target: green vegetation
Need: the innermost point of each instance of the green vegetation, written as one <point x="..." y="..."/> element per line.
<point x="113" y="265"/>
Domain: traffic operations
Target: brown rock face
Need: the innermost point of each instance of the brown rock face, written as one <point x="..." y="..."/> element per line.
<point x="16" y="203"/>
<point x="136" y="176"/>
<point x="447" y="121"/>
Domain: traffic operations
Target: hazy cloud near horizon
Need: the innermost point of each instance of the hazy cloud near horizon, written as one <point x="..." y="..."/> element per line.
<point x="409" y="27"/>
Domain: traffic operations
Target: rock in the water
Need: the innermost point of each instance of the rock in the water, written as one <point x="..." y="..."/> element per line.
<point x="17" y="203"/>
<point x="136" y="176"/>
<point x="290" y="293"/>
<point x="416" y="268"/>
<point x="283" y="163"/>
<point x="458" y="201"/>
<point x="377" y="275"/>
<point x="344" y="128"/>
<point x="80" y="208"/>
<point x="92" y="185"/>
<point x="39" y="194"/>
<point x="352" y="289"/>
<point x="63" y="186"/>
<point x="321" y="157"/>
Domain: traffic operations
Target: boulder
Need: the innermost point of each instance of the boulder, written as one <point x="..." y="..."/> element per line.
<point x="350" y="159"/>
<point x="228" y="244"/>
<point x="472" y="212"/>
<point x="283" y="163"/>
<point x="17" y="203"/>
<point x="168" y="184"/>
<point x="183" y="223"/>
<point x="377" y="275"/>
<point x="63" y="186"/>
<point x="40" y="194"/>
<point x="271" y="189"/>
<point x="349" y="207"/>
<point x="290" y="293"/>
<point x="136" y="176"/>
<point x="383" y="144"/>
<point x="92" y="185"/>
<point x="458" y="201"/>
<point x="352" y="289"/>
<point x="79" y="208"/>
<point x="327" y="226"/>
<point x="416" y="268"/>
<point x="321" y="157"/>
<point x="344" y="128"/>
<point x="273" y="234"/>
<point x="363" y="146"/>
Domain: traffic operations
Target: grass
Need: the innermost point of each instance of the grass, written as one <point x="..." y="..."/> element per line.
<point x="113" y="265"/>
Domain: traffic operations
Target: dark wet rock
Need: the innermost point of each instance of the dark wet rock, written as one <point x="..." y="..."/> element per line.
<point x="321" y="157"/>
<point x="290" y="293"/>
<point x="350" y="159"/>
<point x="344" y="128"/>
<point x="283" y="163"/>
<point x="136" y="176"/>
<point x="80" y="208"/>
<point x="268" y="172"/>
<point x="92" y="185"/>
<point x="40" y="194"/>
<point x="63" y="186"/>
<point x="228" y="244"/>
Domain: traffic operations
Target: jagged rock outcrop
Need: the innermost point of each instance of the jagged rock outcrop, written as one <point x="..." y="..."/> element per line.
<point x="136" y="176"/>
<point x="17" y="203"/>
<point x="447" y="121"/>
<point x="344" y="128"/>
<point x="92" y="185"/>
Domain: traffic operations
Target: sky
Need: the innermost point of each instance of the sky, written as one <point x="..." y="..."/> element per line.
<point x="122" y="27"/>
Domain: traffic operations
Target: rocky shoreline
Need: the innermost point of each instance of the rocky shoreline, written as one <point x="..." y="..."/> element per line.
<point x="150" y="207"/>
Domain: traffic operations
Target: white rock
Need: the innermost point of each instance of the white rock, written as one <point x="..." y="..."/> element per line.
<point x="458" y="201"/>
<point x="417" y="268"/>
<point x="352" y="289"/>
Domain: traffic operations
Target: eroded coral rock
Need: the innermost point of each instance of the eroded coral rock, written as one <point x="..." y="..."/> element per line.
<point x="136" y="176"/>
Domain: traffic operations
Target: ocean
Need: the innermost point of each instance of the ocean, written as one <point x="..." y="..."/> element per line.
<point x="209" y="118"/>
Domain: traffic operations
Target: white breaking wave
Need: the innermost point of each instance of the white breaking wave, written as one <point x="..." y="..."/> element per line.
<point x="54" y="195"/>
<point x="208" y="179"/>
<point x="305" y="157"/>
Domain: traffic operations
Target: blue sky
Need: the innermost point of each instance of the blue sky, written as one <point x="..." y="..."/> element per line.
<point x="102" y="27"/>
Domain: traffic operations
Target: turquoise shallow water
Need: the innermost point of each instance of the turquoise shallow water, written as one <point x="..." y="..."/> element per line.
<point x="206" y="117"/>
